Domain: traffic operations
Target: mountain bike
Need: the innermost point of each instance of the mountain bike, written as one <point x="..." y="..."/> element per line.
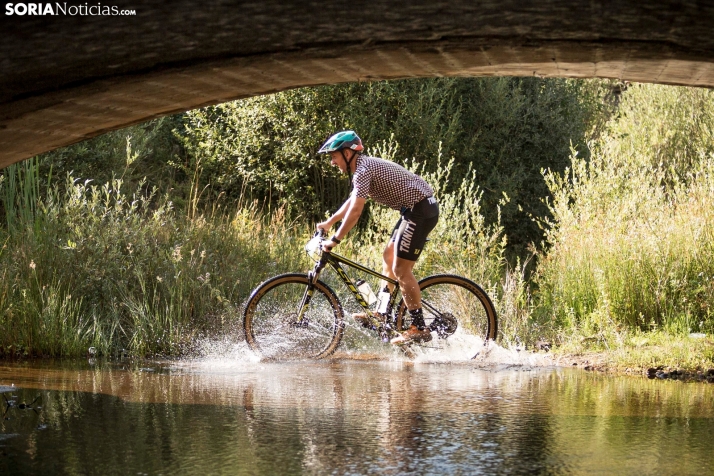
<point x="298" y="316"/>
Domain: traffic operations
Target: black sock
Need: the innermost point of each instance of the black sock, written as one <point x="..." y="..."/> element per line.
<point x="417" y="316"/>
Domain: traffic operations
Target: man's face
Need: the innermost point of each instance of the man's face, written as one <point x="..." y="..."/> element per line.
<point x="337" y="160"/>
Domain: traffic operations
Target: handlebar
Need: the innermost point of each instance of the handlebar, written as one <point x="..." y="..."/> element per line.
<point x="314" y="246"/>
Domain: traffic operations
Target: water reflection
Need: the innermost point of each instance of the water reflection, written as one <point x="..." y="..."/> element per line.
<point x="350" y="417"/>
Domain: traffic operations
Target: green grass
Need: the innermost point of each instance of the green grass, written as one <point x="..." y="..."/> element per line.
<point x="629" y="251"/>
<point x="104" y="268"/>
<point x="98" y="266"/>
<point x="637" y="351"/>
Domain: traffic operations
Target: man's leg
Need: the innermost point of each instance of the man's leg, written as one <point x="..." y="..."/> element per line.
<point x="388" y="260"/>
<point x="410" y="236"/>
<point x="404" y="272"/>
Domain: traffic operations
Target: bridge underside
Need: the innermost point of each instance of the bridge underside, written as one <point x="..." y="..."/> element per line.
<point x="59" y="87"/>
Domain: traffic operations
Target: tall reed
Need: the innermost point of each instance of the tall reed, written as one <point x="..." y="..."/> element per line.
<point x="630" y="248"/>
<point x="20" y="194"/>
<point x="123" y="271"/>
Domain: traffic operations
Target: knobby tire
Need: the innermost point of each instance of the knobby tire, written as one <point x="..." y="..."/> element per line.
<point x="459" y="297"/>
<point x="271" y="311"/>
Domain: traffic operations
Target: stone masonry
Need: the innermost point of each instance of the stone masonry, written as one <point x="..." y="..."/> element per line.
<point x="66" y="78"/>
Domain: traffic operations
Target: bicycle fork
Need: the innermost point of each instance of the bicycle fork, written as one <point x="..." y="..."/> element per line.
<point x="301" y="321"/>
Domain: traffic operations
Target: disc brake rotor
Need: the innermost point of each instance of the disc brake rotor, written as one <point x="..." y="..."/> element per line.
<point x="444" y="325"/>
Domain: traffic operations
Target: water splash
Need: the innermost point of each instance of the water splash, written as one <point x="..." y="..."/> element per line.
<point x="226" y="349"/>
<point x="363" y="344"/>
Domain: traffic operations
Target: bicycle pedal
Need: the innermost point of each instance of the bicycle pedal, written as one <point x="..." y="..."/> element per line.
<point x="367" y="325"/>
<point x="386" y="333"/>
<point x="398" y="341"/>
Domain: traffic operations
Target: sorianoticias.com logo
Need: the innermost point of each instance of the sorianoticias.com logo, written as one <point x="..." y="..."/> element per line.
<point x="62" y="8"/>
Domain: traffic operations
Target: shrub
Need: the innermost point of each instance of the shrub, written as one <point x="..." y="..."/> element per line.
<point x="500" y="132"/>
<point x="630" y="244"/>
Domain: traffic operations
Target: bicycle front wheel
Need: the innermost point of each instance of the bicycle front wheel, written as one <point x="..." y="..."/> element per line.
<point x="451" y="302"/>
<point x="270" y="319"/>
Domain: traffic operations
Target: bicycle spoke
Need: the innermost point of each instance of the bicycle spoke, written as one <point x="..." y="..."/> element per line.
<point x="271" y="324"/>
<point x="454" y="306"/>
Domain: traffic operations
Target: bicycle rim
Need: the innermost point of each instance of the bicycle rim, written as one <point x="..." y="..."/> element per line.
<point x="270" y="315"/>
<point x="455" y="298"/>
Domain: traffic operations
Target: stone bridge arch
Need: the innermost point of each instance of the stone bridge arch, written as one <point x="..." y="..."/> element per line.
<point x="65" y="78"/>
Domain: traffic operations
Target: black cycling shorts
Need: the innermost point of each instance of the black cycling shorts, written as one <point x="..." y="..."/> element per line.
<point x="415" y="224"/>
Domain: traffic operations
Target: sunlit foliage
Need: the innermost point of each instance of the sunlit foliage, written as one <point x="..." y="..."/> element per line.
<point x="632" y="239"/>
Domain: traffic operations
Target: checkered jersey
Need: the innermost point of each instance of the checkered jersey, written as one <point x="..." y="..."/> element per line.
<point x="388" y="183"/>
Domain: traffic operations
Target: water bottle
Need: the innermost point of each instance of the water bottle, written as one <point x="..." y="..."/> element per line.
<point x="366" y="292"/>
<point x="383" y="301"/>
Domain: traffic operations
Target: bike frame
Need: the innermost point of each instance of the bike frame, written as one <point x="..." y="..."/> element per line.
<point x="335" y="261"/>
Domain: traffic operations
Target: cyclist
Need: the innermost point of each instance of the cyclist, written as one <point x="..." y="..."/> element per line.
<point x="394" y="186"/>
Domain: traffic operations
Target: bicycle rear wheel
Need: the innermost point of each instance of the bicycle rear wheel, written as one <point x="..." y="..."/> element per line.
<point x="269" y="319"/>
<point x="451" y="302"/>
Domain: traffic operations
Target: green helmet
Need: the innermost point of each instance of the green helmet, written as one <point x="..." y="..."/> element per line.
<point x="342" y="140"/>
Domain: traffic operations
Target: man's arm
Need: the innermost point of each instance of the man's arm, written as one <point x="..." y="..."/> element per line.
<point x="355" y="205"/>
<point x="337" y="216"/>
<point x="349" y="213"/>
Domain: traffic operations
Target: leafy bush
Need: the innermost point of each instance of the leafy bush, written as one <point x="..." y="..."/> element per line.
<point x="114" y="263"/>
<point x="147" y="152"/>
<point x="630" y="245"/>
<point x="500" y="131"/>
<point x="98" y="267"/>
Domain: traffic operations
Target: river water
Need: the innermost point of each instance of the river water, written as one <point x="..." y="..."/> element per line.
<point x="348" y="416"/>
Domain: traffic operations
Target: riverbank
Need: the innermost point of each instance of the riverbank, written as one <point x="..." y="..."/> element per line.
<point x="601" y="363"/>
<point x="653" y="355"/>
<point x="658" y="357"/>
